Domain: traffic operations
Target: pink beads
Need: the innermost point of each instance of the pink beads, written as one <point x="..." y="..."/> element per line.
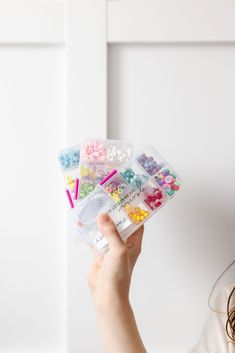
<point x="93" y="151"/>
<point x="154" y="200"/>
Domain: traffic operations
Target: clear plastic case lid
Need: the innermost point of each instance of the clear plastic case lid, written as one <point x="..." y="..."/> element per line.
<point x="130" y="194"/>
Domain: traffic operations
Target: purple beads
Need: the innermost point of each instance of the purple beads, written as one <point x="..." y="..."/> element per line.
<point x="149" y="164"/>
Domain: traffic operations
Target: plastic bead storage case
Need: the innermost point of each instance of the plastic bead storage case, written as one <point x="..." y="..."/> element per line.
<point x="98" y="159"/>
<point x="130" y="195"/>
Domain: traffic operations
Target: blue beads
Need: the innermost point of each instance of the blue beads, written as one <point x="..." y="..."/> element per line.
<point x="149" y="164"/>
<point x="128" y="175"/>
<point x="134" y="179"/>
<point x="69" y="159"/>
<point x="139" y="180"/>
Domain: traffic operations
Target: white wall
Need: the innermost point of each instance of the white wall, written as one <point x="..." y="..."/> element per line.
<point x="180" y="98"/>
<point x="33" y="255"/>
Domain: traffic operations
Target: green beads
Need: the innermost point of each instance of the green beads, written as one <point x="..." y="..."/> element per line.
<point x="85" y="189"/>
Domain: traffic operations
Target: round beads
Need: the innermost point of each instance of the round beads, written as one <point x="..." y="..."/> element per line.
<point x="118" y="153"/>
<point x="134" y="179"/>
<point x="139" y="179"/>
<point x="94" y="151"/>
<point x="154" y="200"/>
<point x="128" y="175"/>
<point x="69" y="159"/>
<point x="137" y="215"/>
<point x="149" y="164"/>
<point x="168" y="181"/>
<point x="97" y="151"/>
<point x="85" y="189"/>
<point x="70" y="182"/>
<point x="87" y="173"/>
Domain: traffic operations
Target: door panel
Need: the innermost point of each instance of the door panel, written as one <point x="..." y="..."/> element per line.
<point x="181" y="99"/>
<point x="33" y="253"/>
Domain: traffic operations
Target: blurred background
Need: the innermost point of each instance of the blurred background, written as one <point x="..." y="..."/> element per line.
<point x="149" y="72"/>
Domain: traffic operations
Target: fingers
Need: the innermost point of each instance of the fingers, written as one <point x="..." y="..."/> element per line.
<point x="136" y="237"/>
<point x="134" y="242"/>
<point x="109" y="230"/>
<point x="96" y="253"/>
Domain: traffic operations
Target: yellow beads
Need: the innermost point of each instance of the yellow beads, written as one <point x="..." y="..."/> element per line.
<point x="136" y="214"/>
<point x="87" y="172"/>
<point x="70" y="182"/>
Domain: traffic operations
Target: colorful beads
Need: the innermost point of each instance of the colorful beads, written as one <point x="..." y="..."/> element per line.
<point x="100" y="157"/>
<point x="85" y="189"/>
<point x="128" y="175"/>
<point x="115" y="190"/>
<point x="87" y="173"/>
<point x="154" y="200"/>
<point x="136" y="214"/>
<point x="129" y="193"/>
<point x="149" y="164"/>
<point x="118" y="153"/>
<point x="168" y="181"/>
<point x="94" y="151"/>
<point x="69" y="159"/>
<point x="134" y="179"/>
<point x="101" y="151"/>
<point x="139" y="179"/>
<point x="70" y="182"/>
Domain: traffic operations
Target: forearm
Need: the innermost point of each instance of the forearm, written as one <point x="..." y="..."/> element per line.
<point x="119" y="332"/>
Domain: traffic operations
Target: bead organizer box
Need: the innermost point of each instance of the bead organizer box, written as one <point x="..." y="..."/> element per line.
<point x="98" y="158"/>
<point x="69" y="163"/>
<point x="130" y="194"/>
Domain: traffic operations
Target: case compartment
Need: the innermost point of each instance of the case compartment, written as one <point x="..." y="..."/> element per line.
<point x="168" y="180"/>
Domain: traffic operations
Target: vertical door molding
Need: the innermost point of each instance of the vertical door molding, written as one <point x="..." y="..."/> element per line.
<point x="86" y="116"/>
<point x="87" y="68"/>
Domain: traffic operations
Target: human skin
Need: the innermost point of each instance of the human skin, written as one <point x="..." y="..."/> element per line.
<point x="109" y="280"/>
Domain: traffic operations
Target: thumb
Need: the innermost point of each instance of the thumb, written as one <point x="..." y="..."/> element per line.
<point x="109" y="230"/>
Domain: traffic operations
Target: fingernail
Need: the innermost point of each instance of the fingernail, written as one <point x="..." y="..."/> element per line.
<point x="103" y="218"/>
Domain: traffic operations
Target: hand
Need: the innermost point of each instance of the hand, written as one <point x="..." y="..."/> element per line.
<point x="109" y="277"/>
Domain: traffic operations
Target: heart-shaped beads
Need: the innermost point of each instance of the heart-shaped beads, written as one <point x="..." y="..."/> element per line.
<point x="154" y="200"/>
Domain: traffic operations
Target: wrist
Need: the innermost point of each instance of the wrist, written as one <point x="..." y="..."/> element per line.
<point x="111" y="303"/>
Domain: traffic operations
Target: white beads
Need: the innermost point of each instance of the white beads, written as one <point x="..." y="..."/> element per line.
<point x="118" y="153"/>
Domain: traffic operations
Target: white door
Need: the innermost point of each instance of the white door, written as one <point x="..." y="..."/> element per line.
<point x="33" y="256"/>
<point x="146" y="71"/>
